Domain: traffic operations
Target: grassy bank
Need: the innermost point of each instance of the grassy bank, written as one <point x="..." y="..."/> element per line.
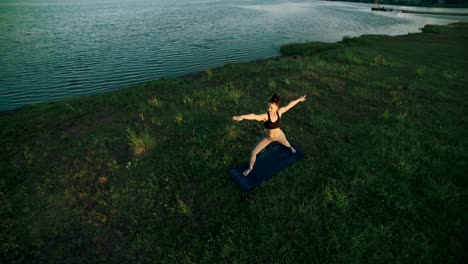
<point x="140" y="174"/>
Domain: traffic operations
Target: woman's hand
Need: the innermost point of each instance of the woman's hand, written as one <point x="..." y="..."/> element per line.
<point x="302" y="98"/>
<point x="237" y="118"/>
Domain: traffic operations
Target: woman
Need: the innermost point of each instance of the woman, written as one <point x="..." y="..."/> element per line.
<point x="271" y="121"/>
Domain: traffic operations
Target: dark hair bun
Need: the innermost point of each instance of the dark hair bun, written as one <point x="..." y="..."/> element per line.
<point x="275" y="99"/>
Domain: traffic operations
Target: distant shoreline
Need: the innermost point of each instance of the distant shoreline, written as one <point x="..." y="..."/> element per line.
<point x="430" y="13"/>
<point x="409" y="4"/>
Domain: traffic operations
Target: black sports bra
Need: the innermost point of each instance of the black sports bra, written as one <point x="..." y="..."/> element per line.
<point x="272" y="125"/>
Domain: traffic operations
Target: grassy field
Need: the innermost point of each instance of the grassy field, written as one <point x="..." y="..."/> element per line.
<point x="139" y="175"/>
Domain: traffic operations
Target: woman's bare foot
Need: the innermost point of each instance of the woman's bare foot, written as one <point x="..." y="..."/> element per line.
<point x="246" y="172"/>
<point x="292" y="150"/>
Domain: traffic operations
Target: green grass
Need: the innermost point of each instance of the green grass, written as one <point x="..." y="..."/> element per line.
<point x="140" y="143"/>
<point x="383" y="179"/>
<point x="309" y="49"/>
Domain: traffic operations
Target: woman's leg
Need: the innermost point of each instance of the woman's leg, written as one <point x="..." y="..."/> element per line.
<point x="261" y="144"/>
<point x="282" y="139"/>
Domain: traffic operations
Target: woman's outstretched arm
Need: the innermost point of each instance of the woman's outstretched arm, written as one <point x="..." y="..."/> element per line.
<point x="291" y="104"/>
<point x="261" y="117"/>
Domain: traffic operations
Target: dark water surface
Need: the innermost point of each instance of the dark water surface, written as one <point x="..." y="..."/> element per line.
<point x="54" y="49"/>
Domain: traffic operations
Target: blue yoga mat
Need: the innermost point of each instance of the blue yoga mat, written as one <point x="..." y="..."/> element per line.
<point x="268" y="163"/>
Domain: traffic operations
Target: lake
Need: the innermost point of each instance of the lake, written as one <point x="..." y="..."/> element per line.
<point x="55" y="49"/>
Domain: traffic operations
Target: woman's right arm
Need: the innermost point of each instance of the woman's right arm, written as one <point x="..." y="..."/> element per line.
<point x="261" y="117"/>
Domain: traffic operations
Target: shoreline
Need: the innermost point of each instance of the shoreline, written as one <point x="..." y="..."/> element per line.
<point x="430" y="13"/>
<point x="448" y="6"/>
<point x="419" y="12"/>
<point x="190" y="76"/>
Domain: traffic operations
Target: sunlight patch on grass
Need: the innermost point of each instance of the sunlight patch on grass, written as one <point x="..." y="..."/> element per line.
<point x="383" y="61"/>
<point x="141" y="142"/>
<point x="183" y="207"/>
<point x="179" y="119"/>
<point x="154" y="102"/>
<point x="450" y="75"/>
<point x="133" y="163"/>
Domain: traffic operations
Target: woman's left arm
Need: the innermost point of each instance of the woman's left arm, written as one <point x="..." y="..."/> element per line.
<point x="291" y="104"/>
